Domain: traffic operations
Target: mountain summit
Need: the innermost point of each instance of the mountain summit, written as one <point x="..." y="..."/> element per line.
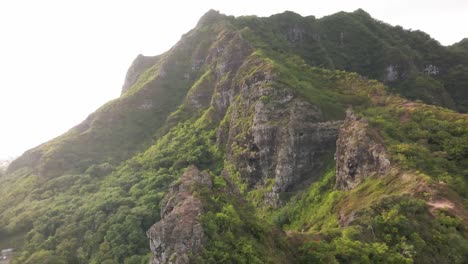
<point x="281" y="139"/>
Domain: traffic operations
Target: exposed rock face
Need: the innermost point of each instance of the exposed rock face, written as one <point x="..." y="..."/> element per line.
<point x="179" y="235"/>
<point x="291" y="143"/>
<point x="228" y="56"/>
<point x="139" y="65"/>
<point x="295" y="34"/>
<point x="358" y="156"/>
<point x="391" y="73"/>
<point x="275" y="138"/>
<point x="431" y="70"/>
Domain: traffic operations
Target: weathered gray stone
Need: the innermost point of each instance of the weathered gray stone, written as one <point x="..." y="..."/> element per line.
<point x="391" y="73"/>
<point x="179" y="235"/>
<point x="283" y="139"/>
<point x="295" y="34"/>
<point x="358" y="156"/>
<point x="431" y="69"/>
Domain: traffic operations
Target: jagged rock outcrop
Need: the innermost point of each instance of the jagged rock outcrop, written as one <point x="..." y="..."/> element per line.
<point x="291" y="142"/>
<point x="139" y="65"/>
<point x="179" y="235"/>
<point x="358" y="156"/>
<point x="275" y="138"/>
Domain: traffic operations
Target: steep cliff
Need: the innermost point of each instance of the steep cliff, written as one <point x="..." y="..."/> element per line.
<point x="272" y="135"/>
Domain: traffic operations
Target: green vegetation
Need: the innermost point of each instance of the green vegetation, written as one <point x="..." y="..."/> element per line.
<point x="355" y="42"/>
<point x="424" y="138"/>
<point x="90" y="195"/>
<point x="235" y="234"/>
<point x="102" y="216"/>
<point x="128" y="124"/>
<point x="430" y="141"/>
<point x="397" y="230"/>
<point x="383" y="226"/>
<point x="315" y="209"/>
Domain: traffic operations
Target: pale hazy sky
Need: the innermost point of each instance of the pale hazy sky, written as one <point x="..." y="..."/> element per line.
<point x="61" y="60"/>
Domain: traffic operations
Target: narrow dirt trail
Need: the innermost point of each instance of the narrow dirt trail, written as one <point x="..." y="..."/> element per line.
<point x="440" y="204"/>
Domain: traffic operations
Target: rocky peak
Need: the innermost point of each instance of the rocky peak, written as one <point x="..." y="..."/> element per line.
<point x="210" y="17"/>
<point x="179" y="235"/>
<point x="358" y="156"/>
<point x="139" y="65"/>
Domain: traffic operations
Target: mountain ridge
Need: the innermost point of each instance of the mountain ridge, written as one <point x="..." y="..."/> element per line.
<point x="243" y="117"/>
<point x="391" y="73"/>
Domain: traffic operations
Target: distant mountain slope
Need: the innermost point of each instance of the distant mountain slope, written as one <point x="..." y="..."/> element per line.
<point x="259" y="140"/>
<point x="412" y="63"/>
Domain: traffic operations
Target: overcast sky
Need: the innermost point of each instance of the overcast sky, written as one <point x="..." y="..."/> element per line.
<point x="61" y="60"/>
